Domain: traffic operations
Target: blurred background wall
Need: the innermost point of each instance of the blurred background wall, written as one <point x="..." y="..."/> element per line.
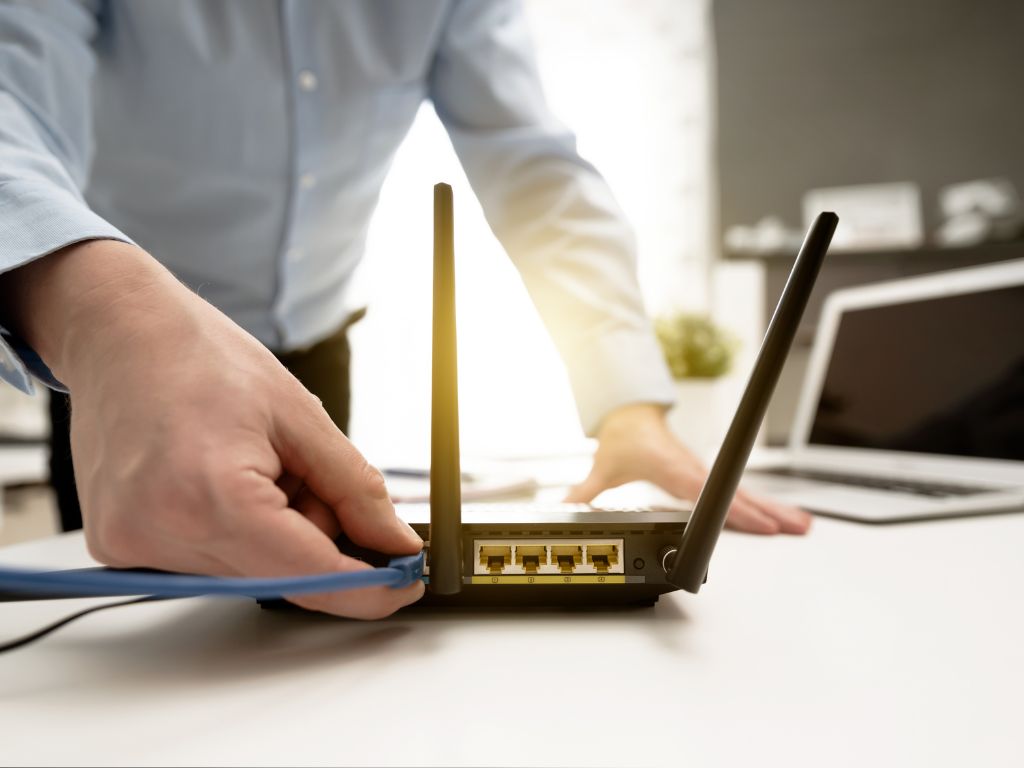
<point x="835" y="92"/>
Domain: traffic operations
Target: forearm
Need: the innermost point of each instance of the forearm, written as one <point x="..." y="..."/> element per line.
<point x="591" y="305"/>
<point x="549" y="207"/>
<point x="559" y="223"/>
<point x="85" y="300"/>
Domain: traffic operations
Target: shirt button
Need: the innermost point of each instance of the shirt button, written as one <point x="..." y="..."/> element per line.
<point x="293" y="255"/>
<point x="307" y="181"/>
<point x="307" y="80"/>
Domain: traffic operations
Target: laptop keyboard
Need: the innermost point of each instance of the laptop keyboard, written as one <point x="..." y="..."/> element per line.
<point x="919" y="488"/>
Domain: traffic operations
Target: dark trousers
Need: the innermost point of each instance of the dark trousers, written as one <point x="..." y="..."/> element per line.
<point x="323" y="369"/>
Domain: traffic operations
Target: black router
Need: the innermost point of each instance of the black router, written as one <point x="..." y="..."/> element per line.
<point x="527" y="554"/>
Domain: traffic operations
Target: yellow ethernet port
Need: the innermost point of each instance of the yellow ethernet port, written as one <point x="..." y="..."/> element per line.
<point x="566" y="557"/>
<point x="495" y="558"/>
<point x="531" y="556"/>
<point x="602" y="556"/>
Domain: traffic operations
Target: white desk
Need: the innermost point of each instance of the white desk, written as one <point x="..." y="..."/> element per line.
<point x="856" y="646"/>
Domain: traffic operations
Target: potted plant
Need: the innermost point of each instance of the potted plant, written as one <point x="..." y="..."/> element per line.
<point x="700" y="353"/>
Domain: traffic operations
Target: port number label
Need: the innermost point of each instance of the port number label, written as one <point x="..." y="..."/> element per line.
<point x="567" y="579"/>
<point x="494" y="579"/>
<point x="600" y="579"/>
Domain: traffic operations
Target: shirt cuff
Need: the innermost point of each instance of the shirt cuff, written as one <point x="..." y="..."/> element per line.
<point x="37" y="219"/>
<point x="618" y="367"/>
<point x="19" y="363"/>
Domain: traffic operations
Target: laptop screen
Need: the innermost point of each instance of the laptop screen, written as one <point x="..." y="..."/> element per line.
<point x="942" y="375"/>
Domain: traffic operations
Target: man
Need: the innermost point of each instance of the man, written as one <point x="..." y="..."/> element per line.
<point x="243" y="146"/>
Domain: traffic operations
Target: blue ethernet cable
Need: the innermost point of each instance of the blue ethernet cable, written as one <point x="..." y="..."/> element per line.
<point x="106" y="582"/>
<point x="27" y="584"/>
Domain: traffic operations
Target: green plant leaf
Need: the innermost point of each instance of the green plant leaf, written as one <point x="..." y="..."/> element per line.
<point x="694" y="346"/>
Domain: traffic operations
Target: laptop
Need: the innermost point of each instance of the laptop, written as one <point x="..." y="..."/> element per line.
<point x="912" y="407"/>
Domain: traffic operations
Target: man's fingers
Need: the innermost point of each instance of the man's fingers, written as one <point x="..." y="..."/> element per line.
<point x="585" y="492"/>
<point x="319" y="514"/>
<point x="791" y="519"/>
<point x="682" y="483"/>
<point x="744" y="516"/>
<point x="282" y="542"/>
<point x="313" y="449"/>
<point x="290" y="484"/>
<point x="745" y="513"/>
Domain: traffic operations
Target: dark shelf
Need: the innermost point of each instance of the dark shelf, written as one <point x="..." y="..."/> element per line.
<point x="982" y="252"/>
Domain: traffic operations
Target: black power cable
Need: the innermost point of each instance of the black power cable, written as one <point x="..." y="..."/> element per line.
<point x="24" y="640"/>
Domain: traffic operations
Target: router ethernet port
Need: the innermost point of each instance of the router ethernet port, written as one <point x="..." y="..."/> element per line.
<point x="495" y="558"/>
<point x="603" y="556"/>
<point x="531" y="557"/>
<point x="566" y="557"/>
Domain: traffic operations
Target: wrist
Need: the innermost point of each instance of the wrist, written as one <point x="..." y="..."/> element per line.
<point x="74" y="305"/>
<point x="630" y="417"/>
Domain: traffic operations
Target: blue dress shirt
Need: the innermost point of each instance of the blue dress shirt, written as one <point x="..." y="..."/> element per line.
<point x="243" y="143"/>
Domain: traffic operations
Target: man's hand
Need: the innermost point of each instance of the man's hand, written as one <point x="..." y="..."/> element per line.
<point x="635" y="443"/>
<point x="194" y="449"/>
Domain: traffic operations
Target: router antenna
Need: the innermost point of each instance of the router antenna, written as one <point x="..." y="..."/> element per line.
<point x="445" y="471"/>
<point x="688" y="566"/>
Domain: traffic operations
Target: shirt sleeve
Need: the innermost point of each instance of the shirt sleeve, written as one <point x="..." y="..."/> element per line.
<point x="552" y="211"/>
<point x="46" y="67"/>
